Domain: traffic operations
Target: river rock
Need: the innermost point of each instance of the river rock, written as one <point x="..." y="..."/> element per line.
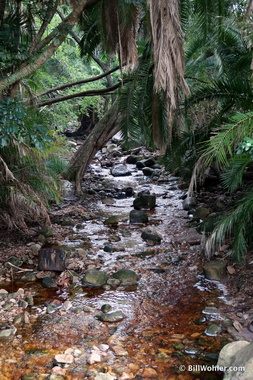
<point x="49" y="282"/>
<point x="106" y="307"/>
<point x="145" y="201"/>
<point x="132" y="159"/>
<point x="7" y="334"/>
<point x="51" y="259"/>
<point x="115" y="316"/>
<point x="189" y="203"/>
<point x="215" y="270"/>
<point x="147" y="171"/>
<point x="237" y="355"/>
<point x="120" y="171"/>
<point x="64" y="359"/>
<point x="138" y="216"/>
<point x="150" y="235"/>
<point x="126" y="276"/>
<point x="94" y="278"/>
<point x="112" y="221"/>
<point x="213" y="330"/>
<point x="105" y="376"/>
<point x="201" y="213"/>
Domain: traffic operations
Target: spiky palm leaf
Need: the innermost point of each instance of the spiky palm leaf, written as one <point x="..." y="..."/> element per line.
<point x="237" y="225"/>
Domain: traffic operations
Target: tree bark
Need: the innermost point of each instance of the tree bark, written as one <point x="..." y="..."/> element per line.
<point x="103" y="131"/>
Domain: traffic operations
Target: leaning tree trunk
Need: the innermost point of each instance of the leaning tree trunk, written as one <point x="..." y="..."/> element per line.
<point x="103" y="131"/>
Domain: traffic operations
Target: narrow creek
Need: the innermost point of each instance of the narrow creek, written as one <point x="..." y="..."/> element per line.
<point x="166" y="314"/>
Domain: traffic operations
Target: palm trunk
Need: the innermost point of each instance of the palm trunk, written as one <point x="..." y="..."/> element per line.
<point x="103" y="131"/>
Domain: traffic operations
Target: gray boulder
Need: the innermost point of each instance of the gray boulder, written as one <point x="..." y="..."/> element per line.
<point x="238" y="356"/>
<point x="145" y="201"/>
<point x="120" y="170"/>
<point x="126" y="276"/>
<point x="94" y="278"/>
<point x="138" y="216"/>
<point x="149" y="235"/>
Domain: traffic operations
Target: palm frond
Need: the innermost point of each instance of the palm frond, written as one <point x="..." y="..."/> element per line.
<point x="233" y="176"/>
<point x="222" y="145"/>
<point x="236" y="224"/>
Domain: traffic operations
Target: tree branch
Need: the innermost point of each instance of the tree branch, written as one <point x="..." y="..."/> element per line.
<point x="87" y="80"/>
<point x="105" y="91"/>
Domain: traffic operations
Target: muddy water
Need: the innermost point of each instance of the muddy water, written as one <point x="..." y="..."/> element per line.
<point x="161" y="334"/>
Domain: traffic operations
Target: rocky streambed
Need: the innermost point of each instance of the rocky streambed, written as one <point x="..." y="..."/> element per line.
<point x="127" y="298"/>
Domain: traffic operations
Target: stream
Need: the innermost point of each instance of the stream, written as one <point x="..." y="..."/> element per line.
<point x="166" y="315"/>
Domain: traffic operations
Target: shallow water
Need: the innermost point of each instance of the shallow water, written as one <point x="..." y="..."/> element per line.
<point x="160" y="312"/>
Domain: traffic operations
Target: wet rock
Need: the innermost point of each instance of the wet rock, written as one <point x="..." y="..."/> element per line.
<point x="116" y="316"/>
<point x="113" y="282"/>
<point x="119" y="350"/>
<point x="51" y="259"/>
<point x="126" y="277"/>
<point x="201" y="213"/>
<point x="112" y="221"/>
<point x="7" y="334"/>
<point x="147" y="171"/>
<point x="138" y="216"/>
<point x="191" y="351"/>
<point x="105" y="376"/>
<point x="105" y="308"/>
<point x="108" y="248"/>
<point x="46" y="232"/>
<point x="215" y="270"/>
<point x="189" y="203"/>
<point x="56" y="377"/>
<point x="49" y="282"/>
<point x="213" y="330"/>
<point x="132" y="159"/>
<point x="29" y="277"/>
<point x="210" y="310"/>
<point x="94" y="357"/>
<point x="94" y="278"/>
<point x="64" y="359"/>
<point x="150" y="235"/>
<point x="120" y="170"/>
<point x="237" y="355"/>
<point x="145" y="201"/>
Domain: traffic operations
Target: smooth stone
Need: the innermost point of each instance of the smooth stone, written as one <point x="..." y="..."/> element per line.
<point x="108" y="248"/>
<point x="56" y="377"/>
<point x="215" y="270"/>
<point x="113" y="282"/>
<point x="120" y="170"/>
<point x="201" y="213"/>
<point x="149" y="235"/>
<point x="7" y="334"/>
<point x="210" y="310"/>
<point x="64" y="358"/>
<point x="145" y="201"/>
<point x="147" y="171"/>
<point x="116" y="316"/>
<point x="191" y="351"/>
<point x="49" y="282"/>
<point x="95" y="278"/>
<point x="239" y="356"/>
<point x="30" y="376"/>
<point x="189" y="203"/>
<point x="29" y="277"/>
<point x="112" y="221"/>
<point x="105" y="376"/>
<point x="132" y="159"/>
<point x="105" y="308"/>
<point x="138" y="216"/>
<point x="213" y="330"/>
<point x="126" y="277"/>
